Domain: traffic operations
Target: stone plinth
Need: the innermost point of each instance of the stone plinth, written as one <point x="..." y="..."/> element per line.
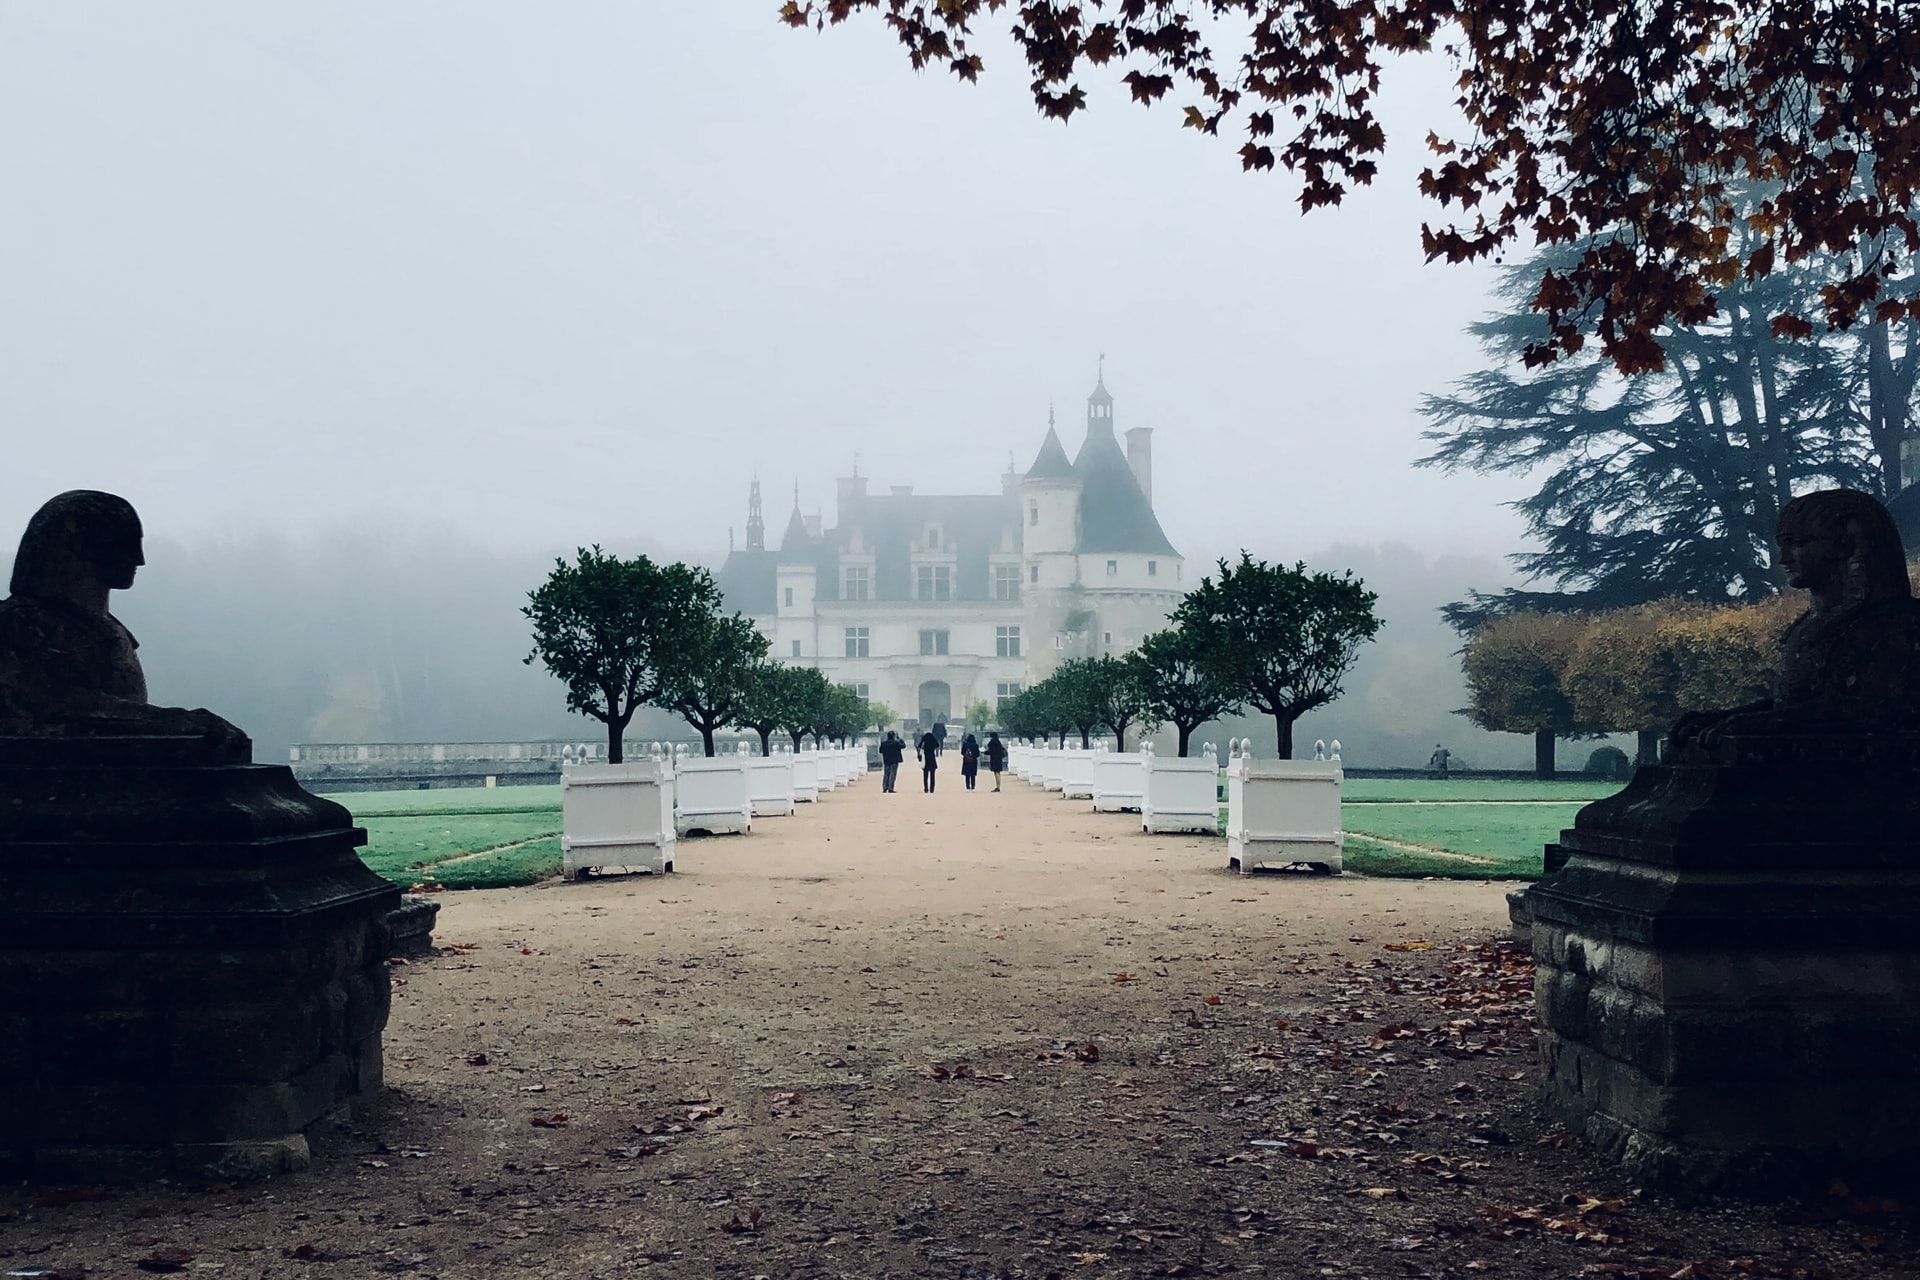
<point x="1728" y="966"/>
<point x="192" y="961"/>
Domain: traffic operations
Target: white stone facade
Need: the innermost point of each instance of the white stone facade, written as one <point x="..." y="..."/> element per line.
<point x="932" y="603"/>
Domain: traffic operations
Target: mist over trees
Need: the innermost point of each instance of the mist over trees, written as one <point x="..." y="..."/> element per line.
<point x="405" y="635"/>
<point x="350" y="636"/>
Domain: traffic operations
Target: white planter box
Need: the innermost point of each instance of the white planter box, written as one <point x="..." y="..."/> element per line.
<point x="1076" y="773"/>
<point x="770" y="785"/>
<point x="617" y="816"/>
<point x="1120" y="782"/>
<point x="1183" y="794"/>
<point x="806" y="777"/>
<point x="1283" y="813"/>
<point x="710" y="793"/>
<point x="1053" y="770"/>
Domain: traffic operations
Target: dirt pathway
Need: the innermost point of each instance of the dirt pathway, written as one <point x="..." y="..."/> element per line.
<point x="969" y="1035"/>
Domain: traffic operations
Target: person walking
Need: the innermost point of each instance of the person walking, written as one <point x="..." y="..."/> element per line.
<point x="996" y="757"/>
<point x="892" y="751"/>
<point x="970" y="759"/>
<point x="928" y="753"/>
<point x="1439" y="761"/>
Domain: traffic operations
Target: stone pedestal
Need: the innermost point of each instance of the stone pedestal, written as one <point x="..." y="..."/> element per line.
<point x="1728" y="966"/>
<point x="192" y="961"/>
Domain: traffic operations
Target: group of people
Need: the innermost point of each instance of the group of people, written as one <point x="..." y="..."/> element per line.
<point x="893" y="749"/>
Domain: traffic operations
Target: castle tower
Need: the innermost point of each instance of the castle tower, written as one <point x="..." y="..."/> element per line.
<point x="756" y="526"/>
<point x="1049" y="543"/>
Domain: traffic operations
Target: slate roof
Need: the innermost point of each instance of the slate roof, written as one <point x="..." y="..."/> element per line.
<point x="1115" y="515"/>
<point x="890" y="525"/>
<point x="747" y="580"/>
<point x="1051" y="462"/>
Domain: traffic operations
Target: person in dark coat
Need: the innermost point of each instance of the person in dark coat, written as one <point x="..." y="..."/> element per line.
<point x="996" y="758"/>
<point x="892" y="751"/>
<point x="928" y="753"/>
<point x="970" y="759"/>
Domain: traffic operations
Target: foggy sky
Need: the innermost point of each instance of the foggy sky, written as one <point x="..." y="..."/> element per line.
<point x="548" y="275"/>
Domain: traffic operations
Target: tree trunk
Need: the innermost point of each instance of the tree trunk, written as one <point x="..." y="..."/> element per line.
<point x="1648" y="749"/>
<point x="706" y="738"/>
<point x="616" y="733"/>
<point x="1086" y="733"/>
<point x="796" y="735"/>
<point x="1186" y="733"/>
<point x="1543" y="755"/>
<point x="1283" y="735"/>
<point x="766" y="744"/>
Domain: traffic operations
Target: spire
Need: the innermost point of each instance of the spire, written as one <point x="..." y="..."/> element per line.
<point x="756" y="527"/>
<point x="1051" y="462"/>
<point x="796" y="535"/>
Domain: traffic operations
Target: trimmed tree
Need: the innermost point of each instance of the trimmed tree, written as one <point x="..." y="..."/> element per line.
<point x="1076" y="691"/>
<point x="609" y="629"/>
<point x="1122" y="699"/>
<point x="711" y="677"/>
<point x="1516" y="670"/>
<point x="811" y="690"/>
<point x="774" y="696"/>
<point x="1178" y="686"/>
<point x="1281" y="639"/>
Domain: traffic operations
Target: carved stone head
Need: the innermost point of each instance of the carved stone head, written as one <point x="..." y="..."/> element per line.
<point x="1843" y="547"/>
<point x="79" y="539"/>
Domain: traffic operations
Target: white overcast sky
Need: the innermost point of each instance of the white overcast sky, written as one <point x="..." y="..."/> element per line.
<point x="555" y="274"/>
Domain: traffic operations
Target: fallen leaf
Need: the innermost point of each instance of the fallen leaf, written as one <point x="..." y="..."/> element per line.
<point x="558" y="1120"/>
<point x="1378" y="1193"/>
<point x="1211" y="1000"/>
<point x="166" y="1259"/>
<point x="1088" y="1052"/>
<point x="705" y="1113"/>
<point x="1124" y="977"/>
<point x="477" y="1060"/>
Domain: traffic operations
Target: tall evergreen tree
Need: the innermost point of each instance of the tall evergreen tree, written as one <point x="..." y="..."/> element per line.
<point x="1667" y="484"/>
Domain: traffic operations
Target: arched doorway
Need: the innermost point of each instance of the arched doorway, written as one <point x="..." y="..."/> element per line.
<point x="936" y="703"/>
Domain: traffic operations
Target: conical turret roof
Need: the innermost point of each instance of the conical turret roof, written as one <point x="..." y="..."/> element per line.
<point x="1051" y="462"/>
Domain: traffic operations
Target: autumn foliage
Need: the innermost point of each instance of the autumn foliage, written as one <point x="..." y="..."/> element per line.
<point x="1621" y="126"/>
<point x="1632" y="670"/>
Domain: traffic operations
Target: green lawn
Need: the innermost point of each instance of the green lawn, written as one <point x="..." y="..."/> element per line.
<point x="412" y="835"/>
<point x="1381" y="790"/>
<point x="1501" y="840"/>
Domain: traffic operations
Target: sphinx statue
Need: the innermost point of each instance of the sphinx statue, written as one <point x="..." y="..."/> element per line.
<point x="1722" y="947"/>
<point x="188" y="940"/>
<point x="67" y="665"/>
<point x="1851" y="662"/>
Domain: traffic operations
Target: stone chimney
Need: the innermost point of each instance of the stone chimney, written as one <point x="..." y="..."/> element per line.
<point x="1140" y="458"/>
<point x="850" y="489"/>
<point x="903" y="491"/>
<point x="813" y="526"/>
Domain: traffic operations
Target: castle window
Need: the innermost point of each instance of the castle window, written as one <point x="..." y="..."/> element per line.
<point x="789" y="597"/>
<point x="1033" y="513"/>
<point x="1006" y="582"/>
<point x="1106" y="638"/>
<point x="857" y="582"/>
<point x="796" y="648"/>
<point x="933" y="644"/>
<point x="933" y="537"/>
<point x="934" y="582"/>
<point x="1006" y="642"/>
<point x="1153" y="568"/>
<point x="857" y="644"/>
<point x="1113" y="568"/>
<point x="1033" y="573"/>
<point x="1004" y="690"/>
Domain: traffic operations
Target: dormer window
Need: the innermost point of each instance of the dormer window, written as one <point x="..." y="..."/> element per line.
<point x="933" y="537"/>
